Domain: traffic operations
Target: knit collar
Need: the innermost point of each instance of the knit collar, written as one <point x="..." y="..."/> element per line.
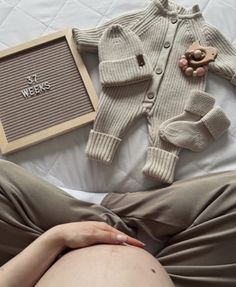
<point x="171" y="8"/>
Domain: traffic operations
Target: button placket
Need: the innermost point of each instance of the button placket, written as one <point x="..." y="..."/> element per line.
<point x="162" y="61"/>
<point x="163" y="58"/>
<point x="151" y="93"/>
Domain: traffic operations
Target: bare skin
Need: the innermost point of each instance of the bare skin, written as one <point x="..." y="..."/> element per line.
<point x="106" y="266"/>
<point x="107" y="263"/>
<point x="29" y="266"/>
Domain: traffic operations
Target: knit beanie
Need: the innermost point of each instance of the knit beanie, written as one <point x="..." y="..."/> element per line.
<point x="122" y="58"/>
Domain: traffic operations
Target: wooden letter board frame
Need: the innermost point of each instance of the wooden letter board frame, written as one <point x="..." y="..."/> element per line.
<point x="27" y="96"/>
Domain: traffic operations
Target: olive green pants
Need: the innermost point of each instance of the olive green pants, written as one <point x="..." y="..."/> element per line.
<point x="194" y="219"/>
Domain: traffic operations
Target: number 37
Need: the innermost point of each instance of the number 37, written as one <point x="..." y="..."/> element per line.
<point x="32" y="79"/>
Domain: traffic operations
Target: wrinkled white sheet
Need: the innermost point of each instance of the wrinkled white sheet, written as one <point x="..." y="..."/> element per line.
<point x="62" y="160"/>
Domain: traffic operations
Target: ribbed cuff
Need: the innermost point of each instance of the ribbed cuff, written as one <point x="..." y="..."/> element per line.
<point x="160" y="164"/>
<point x="86" y="40"/>
<point x="199" y="103"/>
<point x="233" y="80"/>
<point x="125" y="71"/>
<point x="102" y="147"/>
<point x="216" y="122"/>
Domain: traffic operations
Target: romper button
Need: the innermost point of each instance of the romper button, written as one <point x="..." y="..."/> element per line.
<point x="174" y="20"/>
<point x="150" y="96"/>
<point x="167" y="44"/>
<point x="159" y="71"/>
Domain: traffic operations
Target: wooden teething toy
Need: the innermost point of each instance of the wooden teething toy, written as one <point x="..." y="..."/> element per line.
<point x="196" y="59"/>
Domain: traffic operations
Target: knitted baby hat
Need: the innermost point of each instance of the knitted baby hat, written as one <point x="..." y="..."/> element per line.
<point x="122" y="59"/>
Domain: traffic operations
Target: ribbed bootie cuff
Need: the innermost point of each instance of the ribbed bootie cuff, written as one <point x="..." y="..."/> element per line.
<point x="199" y="103"/>
<point x="160" y="164"/>
<point x="102" y="147"/>
<point x="216" y="122"/>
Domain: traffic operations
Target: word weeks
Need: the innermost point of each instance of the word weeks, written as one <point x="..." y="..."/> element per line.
<point x="35" y="87"/>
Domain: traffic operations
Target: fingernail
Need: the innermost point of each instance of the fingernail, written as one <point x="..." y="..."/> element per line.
<point x="142" y="243"/>
<point x="122" y="237"/>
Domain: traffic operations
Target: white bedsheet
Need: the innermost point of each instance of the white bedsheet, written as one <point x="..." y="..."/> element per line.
<point x="62" y="160"/>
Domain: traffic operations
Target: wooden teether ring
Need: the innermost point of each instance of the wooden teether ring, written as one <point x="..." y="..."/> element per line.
<point x="209" y="53"/>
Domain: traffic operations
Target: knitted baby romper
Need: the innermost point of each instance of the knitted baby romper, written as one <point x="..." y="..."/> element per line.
<point x="166" y="30"/>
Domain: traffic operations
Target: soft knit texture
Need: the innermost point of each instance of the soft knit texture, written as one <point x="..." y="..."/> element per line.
<point x="122" y="59"/>
<point x="198" y="104"/>
<point x="196" y="136"/>
<point x="166" y="30"/>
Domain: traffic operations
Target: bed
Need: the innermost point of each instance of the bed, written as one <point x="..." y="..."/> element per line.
<point x="62" y="160"/>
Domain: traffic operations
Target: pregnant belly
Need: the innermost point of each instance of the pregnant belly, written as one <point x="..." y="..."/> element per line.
<point x="105" y="266"/>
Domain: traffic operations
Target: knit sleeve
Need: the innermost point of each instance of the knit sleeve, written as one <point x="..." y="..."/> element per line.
<point x="87" y="40"/>
<point x="225" y="63"/>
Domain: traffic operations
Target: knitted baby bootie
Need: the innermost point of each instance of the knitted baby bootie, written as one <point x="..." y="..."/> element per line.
<point x="122" y="58"/>
<point x="197" y="136"/>
<point x="198" y="104"/>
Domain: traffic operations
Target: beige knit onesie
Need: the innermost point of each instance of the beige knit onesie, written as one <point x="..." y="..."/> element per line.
<point x="166" y="31"/>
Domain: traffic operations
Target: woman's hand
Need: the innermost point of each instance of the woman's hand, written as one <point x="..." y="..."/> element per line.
<point x="28" y="266"/>
<point x="81" y="234"/>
